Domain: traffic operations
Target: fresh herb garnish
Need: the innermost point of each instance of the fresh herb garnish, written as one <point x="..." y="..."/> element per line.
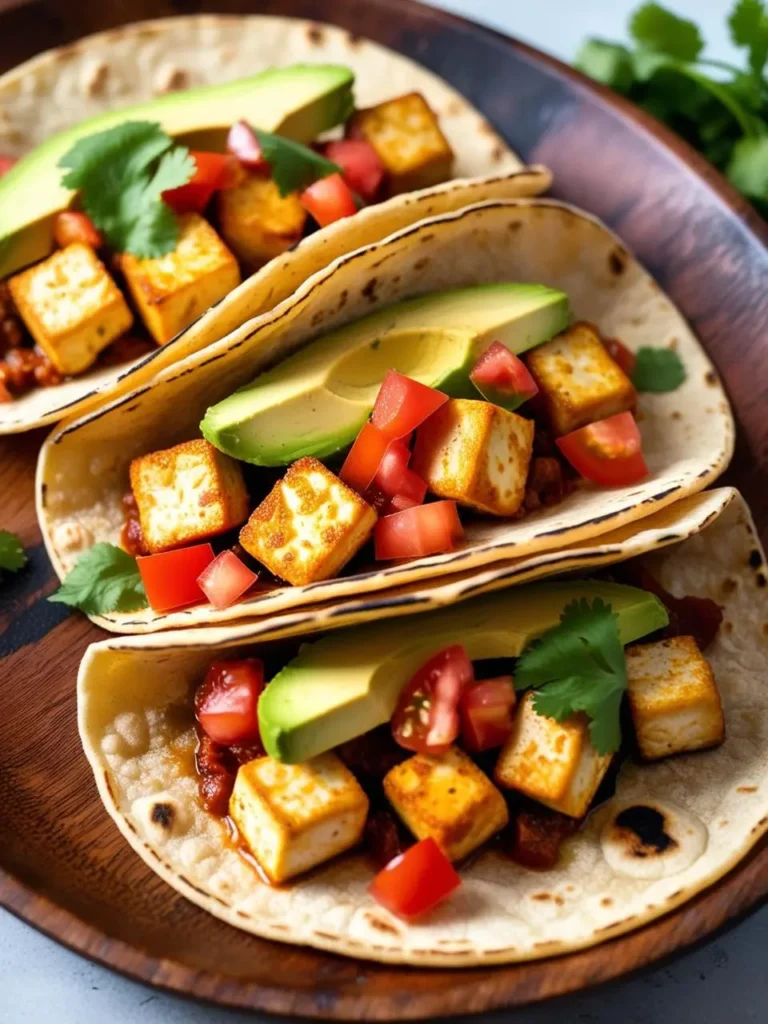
<point x="658" y="369"/>
<point x="12" y="557"/>
<point x="105" y="579"/>
<point x="121" y="174"/>
<point x="579" y="665"/>
<point x="293" y="166"/>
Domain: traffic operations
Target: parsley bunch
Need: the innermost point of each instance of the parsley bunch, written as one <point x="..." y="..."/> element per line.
<point x="719" y="109"/>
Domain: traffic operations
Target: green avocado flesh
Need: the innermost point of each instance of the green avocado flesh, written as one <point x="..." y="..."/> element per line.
<point x="299" y="102"/>
<point x="316" y="401"/>
<point x="348" y="683"/>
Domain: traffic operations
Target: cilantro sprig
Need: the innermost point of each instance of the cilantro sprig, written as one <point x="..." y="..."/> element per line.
<point x="293" y="166"/>
<point x="657" y="369"/>
<point x="105" y="579"/>
<point x="12" y="556"/>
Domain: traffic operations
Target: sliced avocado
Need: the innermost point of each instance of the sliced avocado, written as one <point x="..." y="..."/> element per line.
<point x="316" y="401"/>
<point x="299" y="102"/>
<point x="348" y="683"/>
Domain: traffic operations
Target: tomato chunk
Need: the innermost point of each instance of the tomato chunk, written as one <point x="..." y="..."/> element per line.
<point x="502" y="378"/>
<point x="226" y="579"/>
<point x="73" y="226"/>
<point x="170" y="577"/>
<point x="608" y="452"/>
<point x="361" y="166"/>
<point x="486" y="713"/>
<point x="226" y="701"/>
<point x="416" y="881"/>
<point x="622" y="355"/>
<point x="328" y="200"/>
<point x="426" y="718"/>
<point x="423" y="530"/>
<point x="394" y="479"/>
<point x="403" y="404"/>
<point x="213" y="171"/>
<point x="6" y="163"/>
<point x="364" y="459"/>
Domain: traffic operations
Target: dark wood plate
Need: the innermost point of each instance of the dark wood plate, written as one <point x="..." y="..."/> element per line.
<point x="63" y="866"/>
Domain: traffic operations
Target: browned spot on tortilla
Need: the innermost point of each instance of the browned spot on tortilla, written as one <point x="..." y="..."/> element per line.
<point x="746" y="789"/>
<point x="369" y="290"/>
<point x="485" y="128"/>
<point x="673" y="343"/>
<point x="677" y="415"/>
<point x="549" y="944"/>
<point x="728" y="627"/>
<point x="453" y="108"/>
<point x="514" y="226"/>
<point x="497" y="153"/>
<point x="675" y="894"/>
<point x="343" y="298"/>
<point x="729" y="585"/>
<point x="162" y="815"/>
<point x="765" y="628"/>
<point x="315" y="34"/>
<point x="761" y="580"/>
<point x="242" y="913"/>
<point x="616" y="924"/>
<point x="427" y="238"/>
<point x="755" y="558"/>
<point x="422" y="263"/>
<point x="617" y="261"/>
<point x="318" y="317"/>
<point x="542" y="897"/>
<point x="353" y="41"/>
<point x="381" y="925"/>
<point x="710" y="378"/>
<point x="606" y="901"/>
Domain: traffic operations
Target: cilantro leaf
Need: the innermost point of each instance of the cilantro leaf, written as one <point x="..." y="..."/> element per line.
<point x="293" y="166"/>
<point x="748" y="23"/>
<point x="747" y="168"/>
<point x="105" y="579"/>
<point x="609" y="63"/>
<point x="658" y="370"/>
<point x="12" y="557"/>
<point x="655" y="28"/>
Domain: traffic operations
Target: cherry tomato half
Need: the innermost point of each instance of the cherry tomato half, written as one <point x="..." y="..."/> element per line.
<point x="226" y="702"/>
<point x="608" y="452"/>
<point x="486" y="713"/>
<point x="226" y="579"/>
<point x="403" y="404"/>
<point x="423" y="530"/>
<point x="170" y="577"/>
<point x="416" y="881"/>
<point x="426" y="718"/>
<point x="73" y="226"/>
<point x="502" y="378"/>
<point x="360" y="164"/>
<point x="328" y="200"/>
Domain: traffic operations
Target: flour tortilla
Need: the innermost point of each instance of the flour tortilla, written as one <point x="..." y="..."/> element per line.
<point x="687" y="433"/>
<point x="136" y="725"/>
<point x="133" y="64"/>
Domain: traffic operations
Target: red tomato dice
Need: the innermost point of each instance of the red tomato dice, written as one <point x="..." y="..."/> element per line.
<point x="416" y="881"/>
<point x="170" y="577"/>
<point x="360" y="164"/>
<point x="226" y="702"/>
<point x="622" y="355"/>
<point x="6" y="163"/>
<point x="426" y="718"/>
<point x="243" y="144"/>
<point x="364" y="459"/>
<point x="226" y="579"/>
<point x="213" y="171"/>
<point x="403" y="404"/>
<point x="73" y="226"/>
<point x="486" y="713"/>
<point x="608" y="452"/>
<point x="502" y="378"/>
<point x="400" y="503"/>
<point x="423" y="530"/>
<point x="328" y="200"/>
<point x="393" y="478"/>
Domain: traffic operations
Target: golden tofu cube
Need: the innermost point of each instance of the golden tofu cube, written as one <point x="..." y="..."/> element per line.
<point x="406" y="134"/>
<point x="296" y="816"/>
<point x="187" y="493"/>
<point x="447" y="797"/>
<point x="578" y="381"/>
<point x="71" y="306"/>
<point x="256" y="222"/>
<point x="477" y="454"/>
<point x="173" y="290"/>
<point x="309" y="526"/>
<point x="552" y="762"/>
<point x="673" y="697"/>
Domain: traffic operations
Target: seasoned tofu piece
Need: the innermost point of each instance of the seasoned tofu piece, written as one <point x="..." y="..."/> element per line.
<point x="187" y="493"/>
<point x="256" y="222"/>
<point x="309" y="526"/>
<point x="578" y="381"/>
<point x="552" y="762"/>
<point x="477" y="454"/>
<point x="71" y="306"/>
<point x="296" y="816"/>
<point x="173" y="290"/>
<point x="406" y="134"/>
<point x="447" y="797"/>
<point x="674" y="700"/>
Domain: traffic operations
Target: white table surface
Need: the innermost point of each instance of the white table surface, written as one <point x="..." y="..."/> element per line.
<point x="724" y="981"/>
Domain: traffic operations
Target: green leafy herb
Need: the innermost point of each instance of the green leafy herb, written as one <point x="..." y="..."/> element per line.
<point x="579" y="666"/>
<point x="105" y="579"/>
<point x="657" y="29"/>
<point x="658" y="369"/>
<point x="749" y="28"/>
<point x="293" y="166"/>
<point x="121" y="174"/>
<point x="12" y="557"/>
<point x="609" y="63"/>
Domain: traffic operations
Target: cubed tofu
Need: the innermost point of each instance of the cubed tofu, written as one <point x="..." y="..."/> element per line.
<point x="552" y="762"/>
<point x="674" y="700"/>
<point x="477" y="454"/>
<point x="578" y="381"/>
<point x="406" y="134"/>
<point x="447" y="797"/>
<point x="71" y="306"/>
<point x="296" y="816"/>
<point x="173" y="290"/>
<point x="187" y="493"/>
<point x="309" y="526"/>
<point x="256" y="222"/>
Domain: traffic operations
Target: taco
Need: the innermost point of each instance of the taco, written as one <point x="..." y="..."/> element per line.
<point x="436" y="826"/>
<point x="143" y="197"/>
<point x="424" y="311"/>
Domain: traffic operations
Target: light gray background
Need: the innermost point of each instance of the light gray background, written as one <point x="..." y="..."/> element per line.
<point x="725" y="981"/>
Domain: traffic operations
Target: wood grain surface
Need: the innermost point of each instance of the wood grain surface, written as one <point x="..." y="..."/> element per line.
<point x="63" y="866"/>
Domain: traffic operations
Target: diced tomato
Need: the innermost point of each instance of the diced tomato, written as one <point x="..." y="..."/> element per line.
<point x="416" y="881"/>
<point x="423" y="530"/>
<point x="360" y="164"/>
<point x="73" y="226"/>
<point x="393" y="478"/>
<point x="328" y="200"/>
<point x="226" y="579"/>
<point x="400" y="503"/>
<point x="226" y="701"/>
<point x="502" y="378"/>
<point x="403" y="404"/>
<point x="213" y="171"/>
<point x="6" y="163"/>
<point x="486" y="713"/>
<point x="364" y="459"/>
<point x="243" y="144"/>
<point x="622" y="355"/>
<point x="170" y="577"/>
<point x="426" y="718"/>
<point x="608" y="452"/>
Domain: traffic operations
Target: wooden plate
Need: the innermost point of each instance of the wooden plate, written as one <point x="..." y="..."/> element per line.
<point x="63" y="866"/>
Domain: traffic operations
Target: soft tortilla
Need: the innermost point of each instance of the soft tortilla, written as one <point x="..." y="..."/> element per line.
<point x="136" y="726"/>
<point x="130" y="65"/>
<point x="687" y="434"/>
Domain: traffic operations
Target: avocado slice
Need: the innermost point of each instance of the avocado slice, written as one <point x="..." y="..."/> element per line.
<point x="316" y="401"/>
<point x="348" y="683"/>
<point x="299" y="102"/>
